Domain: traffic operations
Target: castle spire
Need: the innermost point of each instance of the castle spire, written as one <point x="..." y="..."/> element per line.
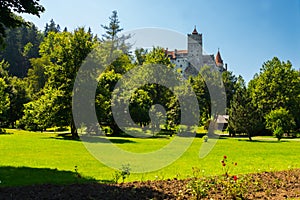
<point x="219" y="60"/>
<point x="195" y="32"/>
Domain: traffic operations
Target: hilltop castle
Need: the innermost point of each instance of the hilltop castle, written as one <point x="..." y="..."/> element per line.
<point x="181" y="58"/>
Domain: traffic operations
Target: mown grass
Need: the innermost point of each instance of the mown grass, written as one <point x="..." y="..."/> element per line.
<point x="35" y="158"/>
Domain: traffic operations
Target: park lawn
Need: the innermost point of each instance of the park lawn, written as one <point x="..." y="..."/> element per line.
<point x="35" y="158"/>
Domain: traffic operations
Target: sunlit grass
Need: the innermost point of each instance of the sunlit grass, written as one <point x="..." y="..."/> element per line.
<point x="48" y="151"/>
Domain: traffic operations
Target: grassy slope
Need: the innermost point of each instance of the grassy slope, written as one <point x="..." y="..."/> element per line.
<point x="47" y="151"/>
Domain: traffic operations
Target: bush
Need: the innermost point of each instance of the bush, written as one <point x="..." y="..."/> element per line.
<point x="278" y="133"/>
<point x="280" y="120"/>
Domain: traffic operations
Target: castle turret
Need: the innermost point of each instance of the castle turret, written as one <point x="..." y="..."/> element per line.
<point x="195" y="46"/>
<point x="219" y="61"/>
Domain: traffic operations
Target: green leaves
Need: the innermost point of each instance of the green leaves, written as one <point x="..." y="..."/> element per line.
<point x="276" y="86"/>
<point x="8" y="19"/>
<point x="279" y="119"/>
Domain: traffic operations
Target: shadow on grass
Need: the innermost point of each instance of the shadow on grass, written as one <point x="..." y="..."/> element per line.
<point x="65" y="136"/>
<point x="5" y="133"/>
<point x="263" y="141"/>
<point x="92" y="139"/>
<point x="20" y="176"/>
<point x="36" y="183"/>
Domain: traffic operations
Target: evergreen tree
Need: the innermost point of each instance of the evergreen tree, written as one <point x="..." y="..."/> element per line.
<point x="52" y="27"/>
<point x="22" y="44"/>
<point x="112" y="30"/>
<point x="244" y="117"/>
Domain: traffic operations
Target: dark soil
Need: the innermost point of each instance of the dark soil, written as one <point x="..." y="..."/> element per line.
<point x="266" y="185"/>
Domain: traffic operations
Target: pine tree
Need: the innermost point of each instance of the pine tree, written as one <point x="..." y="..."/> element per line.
<point x="113" y="28"/>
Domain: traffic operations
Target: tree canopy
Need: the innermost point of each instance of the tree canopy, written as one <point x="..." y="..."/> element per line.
<point x="8" y="18"/>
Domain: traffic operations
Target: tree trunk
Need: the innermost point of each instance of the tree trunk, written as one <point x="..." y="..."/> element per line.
<point x="250" y="136"/>
<point x="74" y="130"/>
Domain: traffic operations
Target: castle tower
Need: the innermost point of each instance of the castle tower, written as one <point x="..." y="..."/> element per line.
<point x="219" y="61"/>
<point x="195" y="50"/>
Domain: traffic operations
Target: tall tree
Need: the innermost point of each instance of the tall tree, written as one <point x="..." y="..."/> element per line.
<point x="277" y="85"/>
<point x="22" y="44"/>
<point x="243" y="116"/>
<point x="112" y="34"/>
<point x="52" y="27"/>
<point x="64" y="52"/>
<point x="9" y="20"/>
<point x="4" y="101"/>
<point x="112" y="30"/>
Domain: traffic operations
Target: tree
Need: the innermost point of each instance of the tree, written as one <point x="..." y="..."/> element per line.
<point x="202" y="93"/>
<point x="276" y="86"/>
<point x="140" y="56"/>
<point x="113" y="28"/>
<point x="244" y="117"/>
<point x="22" y="44"/>
<point x="63" y="54"/>
<point x="52" y="27"/>
<point x="279" y="121"/>
<point x="229" y="80"/>
<point x="18" y="97"/>
<point x="9" y="20"/>
<point x="15" y="89"/>
<point x="37" y="78"/>
<point x="4" y="101"/>
<point x="106" y="84"/>
<point x="112" y="35"/>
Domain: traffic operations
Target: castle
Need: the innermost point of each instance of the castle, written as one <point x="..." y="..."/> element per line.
<point x="182" y="58"/>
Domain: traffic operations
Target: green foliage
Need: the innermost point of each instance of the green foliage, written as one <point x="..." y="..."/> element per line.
<point x="123" y="173"/>
<point x="18" y="97"/>
<point x="229" y="81"/>
<point x="113" y="28"/>
<point x="276" y="86"/>
<point x="278" y="133"/>
<point x="279" y="121"/>
<point x="52" y="27"/>
<point x="37" y="78"/>
<point x="157" y="56"/>
<point x="199" y="187"/>
<point x="244" y="117"/>
<point x="8" y="18"/>
<point x="22" y="44"/>
<point x="61" y="56"/>
<point x="232" y="186"/>
<point x="4" y="99"/>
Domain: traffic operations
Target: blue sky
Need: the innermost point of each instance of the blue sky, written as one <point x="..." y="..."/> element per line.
<point x="248" y="33"/>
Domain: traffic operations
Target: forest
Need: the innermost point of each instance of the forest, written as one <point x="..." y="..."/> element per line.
<point x="38" y="69"/>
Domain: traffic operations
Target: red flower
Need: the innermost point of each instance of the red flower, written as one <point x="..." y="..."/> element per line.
<point x="235" y="164"/>
<point x="223" y="164"/>
<point x="235" y="178"/>
<point x="222" y="161"/>
<point x="225" y="157"/>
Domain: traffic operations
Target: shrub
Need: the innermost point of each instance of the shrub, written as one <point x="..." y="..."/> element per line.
<point x="278" y="133"/>
<point x="279" y="120"/>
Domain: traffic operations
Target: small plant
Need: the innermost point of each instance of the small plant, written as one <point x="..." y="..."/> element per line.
<point x="123" y="173"/>
<point x="76" y="172"/>
<point x="226" y="167"/>
<point x="233" y="186"/>
<point x="199" y="187"/>
<point x="205" y="138"/>
<point x="116" y="176"/>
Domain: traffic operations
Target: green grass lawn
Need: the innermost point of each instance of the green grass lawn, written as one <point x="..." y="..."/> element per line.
<point x="34" y="158"/>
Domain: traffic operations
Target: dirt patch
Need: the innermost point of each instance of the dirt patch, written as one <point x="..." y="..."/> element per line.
<point x="266" y="185"/>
